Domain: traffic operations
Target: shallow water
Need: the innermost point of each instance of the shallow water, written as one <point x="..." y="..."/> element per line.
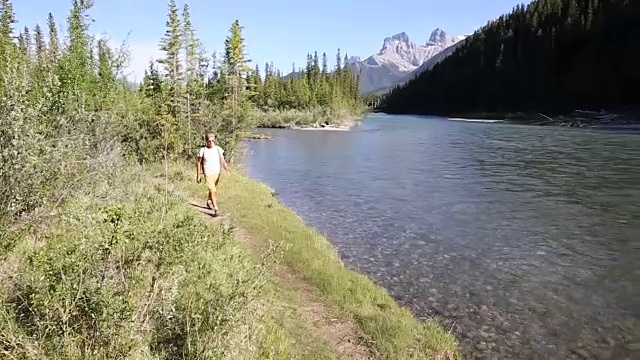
<point x="524" y="240"/>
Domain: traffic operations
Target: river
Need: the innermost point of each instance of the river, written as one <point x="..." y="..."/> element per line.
<point x="523" y="240"/>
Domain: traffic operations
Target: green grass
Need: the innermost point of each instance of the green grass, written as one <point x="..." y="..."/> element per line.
<point x="393" y="331"/>
<point x="127" y="269"/>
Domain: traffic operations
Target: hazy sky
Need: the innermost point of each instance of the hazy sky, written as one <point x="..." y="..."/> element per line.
<point x="282" y="31"/>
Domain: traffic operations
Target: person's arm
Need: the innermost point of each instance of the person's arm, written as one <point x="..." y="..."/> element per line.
<point x="223" y="161"/>
<point x="225" y="165"/>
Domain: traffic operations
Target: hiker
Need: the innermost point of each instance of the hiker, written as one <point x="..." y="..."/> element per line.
<point x="210" y="158"/>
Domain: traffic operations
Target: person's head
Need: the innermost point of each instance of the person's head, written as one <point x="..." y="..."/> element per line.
<point x="210" y="140"/>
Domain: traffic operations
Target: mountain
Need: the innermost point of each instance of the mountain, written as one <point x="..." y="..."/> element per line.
<point x="551" y="56"/>
<point x="398" y="58"/>
<point x="427" y="65"/>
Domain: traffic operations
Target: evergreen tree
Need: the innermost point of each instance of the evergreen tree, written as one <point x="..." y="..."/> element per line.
<point x="7" y="19"/>
<point x="106" y="75"/>
<point x="54" y="42"/>
<point x="195" y="66"/>
<point x="325" y="68"/>
<point x="236" y="94"/>
<point x="171" y="44"/>
<point x="313" y="87"/>
<point x="550" y="56"/>
<point x="40" y="46"/>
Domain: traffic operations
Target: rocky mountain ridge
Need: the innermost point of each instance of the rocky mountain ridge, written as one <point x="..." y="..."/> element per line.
<point x="398" y="58"/>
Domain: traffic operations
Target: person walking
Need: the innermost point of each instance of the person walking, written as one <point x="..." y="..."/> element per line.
<point x="210" y="160"/>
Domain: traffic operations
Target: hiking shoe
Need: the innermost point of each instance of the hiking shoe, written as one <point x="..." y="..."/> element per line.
<point x="215" y="211"/>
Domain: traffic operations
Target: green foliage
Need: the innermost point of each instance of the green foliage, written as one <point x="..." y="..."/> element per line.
<point x="64" y="99"/>
<point x="313" y="89"/>
<point x="99" y="258"/>
<point x="551" y="55"/>
<point x="117" y="279"/>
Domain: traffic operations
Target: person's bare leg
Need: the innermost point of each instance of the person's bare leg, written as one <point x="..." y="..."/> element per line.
<point x="215" y="204"/>
<point x="212" y="197"/>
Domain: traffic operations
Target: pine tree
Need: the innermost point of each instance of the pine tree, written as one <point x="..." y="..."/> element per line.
<point x="75" y="70"/>
<point x="40" y="46"/>
<point x="24" y="43"/>
<point x="195" y="63"/>
<point x="171" y="45"/>
<point x="7" y="19"/>
<point x="54" y="42"/>
<point x="235" y="60"/>
<point x="106" y="75"/>
<point x="325" y="68"/>
<point x="236" y="93"/>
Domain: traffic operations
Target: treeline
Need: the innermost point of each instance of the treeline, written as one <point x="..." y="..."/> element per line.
<point x="311" y="87"/>
<point x="551" y="55"/>
<point x="192" y="83"/>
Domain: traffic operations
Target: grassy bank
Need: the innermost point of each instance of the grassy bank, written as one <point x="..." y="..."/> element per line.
<point x="393" y="331"/>
<point x="308" y="118"/>
<point x="127" y="269"/>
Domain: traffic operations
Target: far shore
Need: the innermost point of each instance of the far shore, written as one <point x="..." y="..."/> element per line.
<point x="623" y="119"/>
<point x="313" y="127"/>
<point x="327" y="125"/>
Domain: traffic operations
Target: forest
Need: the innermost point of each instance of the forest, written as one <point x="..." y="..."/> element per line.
<point x="551" y="56"/>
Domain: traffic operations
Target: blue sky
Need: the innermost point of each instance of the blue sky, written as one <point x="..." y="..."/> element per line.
<point x="282" y="31"/>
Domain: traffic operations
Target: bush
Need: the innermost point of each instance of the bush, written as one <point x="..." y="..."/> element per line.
<point x="130" y="275"/>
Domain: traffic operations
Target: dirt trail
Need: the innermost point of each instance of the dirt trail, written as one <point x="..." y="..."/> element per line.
<point x="342" y="335"/>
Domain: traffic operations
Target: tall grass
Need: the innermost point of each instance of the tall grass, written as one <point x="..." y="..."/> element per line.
<point x="108" y="277"/>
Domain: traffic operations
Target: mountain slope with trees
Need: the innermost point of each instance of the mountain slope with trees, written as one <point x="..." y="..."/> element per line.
<point x="550" y="56"/>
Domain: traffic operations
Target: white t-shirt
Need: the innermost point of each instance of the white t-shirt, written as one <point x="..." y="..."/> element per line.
<point x="211" y="159"/>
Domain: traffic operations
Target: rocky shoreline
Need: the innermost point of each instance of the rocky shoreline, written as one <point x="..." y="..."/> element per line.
<point x="325" y="125"/>
<point x="581" y="118"/>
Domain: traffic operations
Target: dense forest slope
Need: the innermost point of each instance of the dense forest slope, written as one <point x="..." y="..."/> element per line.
<point x="550" y="56"/>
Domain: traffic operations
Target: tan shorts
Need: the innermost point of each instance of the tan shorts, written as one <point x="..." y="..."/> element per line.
<point x="212" y="180"/>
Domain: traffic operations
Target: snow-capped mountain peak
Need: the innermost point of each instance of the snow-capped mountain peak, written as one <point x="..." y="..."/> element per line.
<point x="398" y="57"/>
<point x="400" y="38"/>
<point x="439" y="37"/>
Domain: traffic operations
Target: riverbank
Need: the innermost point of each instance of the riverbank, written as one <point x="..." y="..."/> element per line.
<point x="393" y="332"/>
<point x="126" y="267"/>
<point x="311" y="119"/>
<point x="621" y="118"/>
